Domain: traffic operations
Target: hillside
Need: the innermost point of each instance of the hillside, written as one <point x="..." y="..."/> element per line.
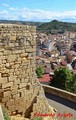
<point x="56" y="27"/>
<point x="21" y="22"/>
<point x="52" y="27"/>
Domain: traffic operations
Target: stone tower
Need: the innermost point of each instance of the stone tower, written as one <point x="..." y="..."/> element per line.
<point x="20" y="91"/>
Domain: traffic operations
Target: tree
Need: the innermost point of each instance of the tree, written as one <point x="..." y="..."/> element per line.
<point x="39" y="72"/>
<point x="74" y="83"/>
<point x="62" y="78"/>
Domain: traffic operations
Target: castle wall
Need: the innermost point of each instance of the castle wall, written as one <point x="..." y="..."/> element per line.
<point x="20" y="91"/>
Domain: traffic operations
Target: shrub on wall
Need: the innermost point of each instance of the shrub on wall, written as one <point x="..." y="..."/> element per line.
<point x="39" y="72"/>
<point x="62" y="78"/>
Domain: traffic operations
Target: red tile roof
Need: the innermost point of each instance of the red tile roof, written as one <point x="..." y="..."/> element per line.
<point x="48" y="69"/>
<point x="64" y="63"/>
<point x="74" y="71"/>
<point x="45" y="78"/>
<point x="37" y="57"/>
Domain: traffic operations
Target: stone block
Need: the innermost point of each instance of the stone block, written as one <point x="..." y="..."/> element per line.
<point x="13" y="37"/>
<point x="30" y="50"/>
<point x="4" y="74"/>
<point x="15" y="66"/>
<point x="0" y="61"/>
<point x="2" y="57"/>
<point x="14" y="89"/>
<point x="16" y="81"/>
<point x="5" y="99"/>
<point x="12" y="58"/>
<point x="3" y="80"/>
<point x="4" y="61"/>
<point x="1" y="53"/>
<point x="17" y="72"/>
<point x="11" y="105"/>
<point x="8" y="65"/>
<point x="9" y="84"/>
<point x="24" y="55"/>
<point x="11" y="71"/>
<point x="11" y="45"/>
<point x="21" y="90"/>
<point x="2" y="49"/>
<point x="5" y="53"/>
<point x="7" y="93"/>
<point x="16" y="51"/>
<point x="24" y="60"/>
<point x="22" y="85"/>
<point x="29" y="58"/>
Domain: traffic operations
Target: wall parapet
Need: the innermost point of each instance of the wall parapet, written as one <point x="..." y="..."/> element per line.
<point x="60" y="93"/>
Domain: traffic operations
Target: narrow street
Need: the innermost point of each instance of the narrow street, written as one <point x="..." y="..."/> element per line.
<point x="62" y="106"/>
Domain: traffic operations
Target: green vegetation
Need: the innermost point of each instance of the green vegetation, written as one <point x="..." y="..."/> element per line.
<point x="39" y="72"/>
<point x="37" y="118"/>
<point x="6" y="117"/>
<point x="52" y="27"/>
<point x="21" y="22"/>
<point x="61" y="76"/>
<point x="55" y="26"/>
<point x="74" y="83"/>
<point x="64" y="79"/>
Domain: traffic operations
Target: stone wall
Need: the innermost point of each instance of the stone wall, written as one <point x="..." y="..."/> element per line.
<point x="20" y="91"/>
<point x="60" y="93"/>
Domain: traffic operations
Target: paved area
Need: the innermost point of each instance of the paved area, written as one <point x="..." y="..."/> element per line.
<point x="66" y="110"/>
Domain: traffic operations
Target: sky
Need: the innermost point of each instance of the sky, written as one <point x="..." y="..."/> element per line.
<point x="38" y="10"/>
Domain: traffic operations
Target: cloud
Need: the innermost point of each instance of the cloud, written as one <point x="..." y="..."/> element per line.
<point x="36" y="14"/>
<point x="12" y="8"/>
<point x="9" y="7"/>
<point x="5" y="5"/>
<point x="41" y="15"/>
<point x="5" y="15"/>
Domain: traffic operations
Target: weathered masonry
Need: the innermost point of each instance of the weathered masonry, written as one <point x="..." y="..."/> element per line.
<point x="20" y="91"/>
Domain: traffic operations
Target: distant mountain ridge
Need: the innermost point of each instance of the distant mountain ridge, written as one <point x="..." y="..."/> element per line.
<point x="56" y="27"/>
<point x="52" y="27"/>
<point x="21" y="22"/>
